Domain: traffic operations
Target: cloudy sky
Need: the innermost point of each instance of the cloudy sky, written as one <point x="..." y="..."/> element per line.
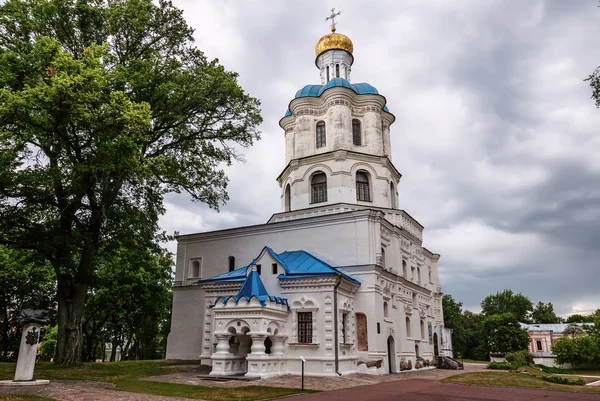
<point x="496" y="135"/>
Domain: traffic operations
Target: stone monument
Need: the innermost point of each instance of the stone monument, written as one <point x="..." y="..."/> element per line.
<point x="31" y="319"/>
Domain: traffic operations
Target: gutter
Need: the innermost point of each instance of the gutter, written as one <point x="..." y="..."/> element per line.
<point x="336" y="340"/>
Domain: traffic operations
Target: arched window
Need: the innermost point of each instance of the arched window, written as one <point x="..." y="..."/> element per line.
<point x="417" y="351"/>
<point x="422" y="329"/>
<point x="337" y="70"/>
<point x="385" y="309"/>
<point x="408" y="327"/>
<point x="318" y="188"/>
<point x="321" y="140"/>
<point x="287" y="198"/>
<point x="382" y="261"/>
<point x="327" y="69"/>
<point x="362" y="186"/>
<point x="356" y="137"/>
<point x="393" y="196"/>
<point x="231" y="263"/>
<point x="404" y="269"/>
<point x="195" y="270"/>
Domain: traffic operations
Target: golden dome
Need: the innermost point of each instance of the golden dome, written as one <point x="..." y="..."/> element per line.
<point x="334" y="41"/>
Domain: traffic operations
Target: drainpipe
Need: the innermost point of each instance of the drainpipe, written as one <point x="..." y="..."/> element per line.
<point x="335" y="327"/>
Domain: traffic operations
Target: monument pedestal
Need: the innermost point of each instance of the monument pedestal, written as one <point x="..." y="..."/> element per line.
<point x="27" y="355"/>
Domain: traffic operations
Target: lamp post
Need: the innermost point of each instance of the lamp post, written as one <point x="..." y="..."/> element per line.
<point x="303" y="360"/>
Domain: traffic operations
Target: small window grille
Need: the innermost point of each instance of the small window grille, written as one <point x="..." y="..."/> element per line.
<point x="356" y="135"/>
<point x="305" y="327"/>
<point x="362" y="187"/>
<point x="321" y="136"/>
<point x="318" y="186"/>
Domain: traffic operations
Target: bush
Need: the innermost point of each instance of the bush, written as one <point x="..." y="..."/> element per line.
<point x="549" y="369"/>
<point x="519" y="358"/>
<point x="564" y="380"/>
<point x="502" y="366"/>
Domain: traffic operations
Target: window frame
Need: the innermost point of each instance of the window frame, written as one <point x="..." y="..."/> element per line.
<point x="363" y="188"/>
<point x="320" y="134"/>
<point x="356" y="133"/>
<point x="538" y="346"/>
<point x="318" y="190"/>
<point x="231" y="261"/>
<point x="305" y="327"/>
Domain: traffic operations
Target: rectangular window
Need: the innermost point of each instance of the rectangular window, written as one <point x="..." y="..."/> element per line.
<point x="319" y="193"/>
<point x="274" y="268"/>
<point x="539" y="345"/>
<point x="344" y="328"/>
<point x="378" y="328"/>
<point x="258" y="269"/>
<point x="305" y="327"/>
<point x="321" y="134"/>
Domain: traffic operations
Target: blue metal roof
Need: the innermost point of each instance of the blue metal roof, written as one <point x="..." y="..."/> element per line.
<point x="316" y="90"/>
<point x="295" y="264"/>
<point x="302" y="263"/>
<point x="362" y="88"/>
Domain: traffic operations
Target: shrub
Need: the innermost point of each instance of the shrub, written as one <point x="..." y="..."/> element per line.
<point x="549" y="369"/>
<point x="564" y="380"/>
<point x="502" y="366"/>
<point x="519" y="358"/>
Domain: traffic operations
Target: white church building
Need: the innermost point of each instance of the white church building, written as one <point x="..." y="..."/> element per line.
<point x="340" y="276"/>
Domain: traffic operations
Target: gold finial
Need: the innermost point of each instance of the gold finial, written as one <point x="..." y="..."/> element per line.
<point x="332" y="18"/>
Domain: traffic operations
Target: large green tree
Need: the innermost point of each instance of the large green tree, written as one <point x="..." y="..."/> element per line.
<point x="105" y="107"/>
<point x="503" y="334"/>
<point x="508" y="302"/>
<point x="544" y="313"/>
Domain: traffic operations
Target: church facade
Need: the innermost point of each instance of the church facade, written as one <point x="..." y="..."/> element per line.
<point x="340" y="276"/>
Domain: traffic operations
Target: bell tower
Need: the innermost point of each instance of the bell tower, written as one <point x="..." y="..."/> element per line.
<point x="337" y="137"/>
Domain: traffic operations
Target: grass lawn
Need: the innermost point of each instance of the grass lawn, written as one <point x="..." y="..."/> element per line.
<point x="508" y="379"/>
<point x="585" y="372"/>
<point x="125" y="374"/>
<point x="472" y="361"/>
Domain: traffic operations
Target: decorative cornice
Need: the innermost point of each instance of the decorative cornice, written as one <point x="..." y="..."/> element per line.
<point x="336" y="155"/>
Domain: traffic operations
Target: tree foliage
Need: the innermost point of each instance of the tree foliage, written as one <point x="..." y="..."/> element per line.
<point x="105" y="107"/>
<point x="466" y="331"/>
<point x="128" y="305"/>
<point x="579" y="350"/>
<point x="544" y="313"/>
<point x="25" y="282"/>
<point x="508" y="302"/>
<point x="503" y="333"/>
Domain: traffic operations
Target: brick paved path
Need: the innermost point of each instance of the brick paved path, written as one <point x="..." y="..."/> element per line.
<point x="428" y="390"/>
<point x="74" y="390"/>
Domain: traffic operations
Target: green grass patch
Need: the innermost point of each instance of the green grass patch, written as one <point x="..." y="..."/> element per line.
<point x="576" y="381"/>
<point x="24" y="397"/>
<point x="508" y="379"/>
<point x="553" y="370"/>
<point x="125" y="376"/>
<point x="502" y="366"/>
<point x="245" y="393"/>
<point x="472" y="361"/>
<point x="586" y="372"/>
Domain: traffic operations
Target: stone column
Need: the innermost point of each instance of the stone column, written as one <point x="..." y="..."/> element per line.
<point x="27" y="352"/>
<point x="277" y="347"/>
<point x="223" y="344"/>
<point x="258" y="344"/>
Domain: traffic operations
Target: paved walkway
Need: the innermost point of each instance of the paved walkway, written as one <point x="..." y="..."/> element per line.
<point x="427" y="390"/>
<point x="76" y="390"/>
<point x="312" y="382"/>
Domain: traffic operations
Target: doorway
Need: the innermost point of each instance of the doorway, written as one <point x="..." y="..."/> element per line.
<point x="391" y="355"/>
<point x="436" y="351"/>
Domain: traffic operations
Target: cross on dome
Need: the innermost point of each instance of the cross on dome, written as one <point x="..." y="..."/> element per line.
<point x="332" y="18"/>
